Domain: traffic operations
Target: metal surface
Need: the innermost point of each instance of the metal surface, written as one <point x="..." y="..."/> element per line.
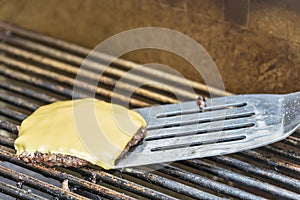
<point x="247" y="175"/>
<point x="17" y="192"/>
<point x="226" y="125"/>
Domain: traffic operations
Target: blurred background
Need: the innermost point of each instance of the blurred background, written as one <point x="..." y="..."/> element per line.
<point x="255" y="43"/>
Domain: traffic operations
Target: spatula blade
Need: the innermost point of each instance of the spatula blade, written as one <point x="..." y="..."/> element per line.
<point x="226" y="125"/>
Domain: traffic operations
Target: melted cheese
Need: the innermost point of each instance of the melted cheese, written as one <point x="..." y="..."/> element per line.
<point x="89" y="129"/>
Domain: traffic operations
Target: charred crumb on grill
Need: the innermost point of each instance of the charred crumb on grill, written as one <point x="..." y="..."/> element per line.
<point x="93" y="177"/>
<point x="52" y="160"/>
<point x="20" y="182"/>
<point x="201" y="102"/>
<point x="65" y="185"/>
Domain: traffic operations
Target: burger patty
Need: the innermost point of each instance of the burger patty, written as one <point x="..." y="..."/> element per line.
<point x="58" y="159"/>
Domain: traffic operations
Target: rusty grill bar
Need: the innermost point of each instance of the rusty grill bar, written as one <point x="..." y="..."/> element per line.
<point x="37" y="69"/>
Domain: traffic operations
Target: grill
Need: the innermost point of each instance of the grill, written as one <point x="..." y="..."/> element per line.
<point x="37" y="69"/>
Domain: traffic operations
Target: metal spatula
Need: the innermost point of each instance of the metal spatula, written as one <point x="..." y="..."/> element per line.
<point x="226" y="125"/>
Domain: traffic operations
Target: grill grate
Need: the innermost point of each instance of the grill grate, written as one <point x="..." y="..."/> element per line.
<point x="37" y="69"/>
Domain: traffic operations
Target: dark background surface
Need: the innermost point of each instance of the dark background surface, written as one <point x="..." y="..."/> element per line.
<point x="255" y="43"/>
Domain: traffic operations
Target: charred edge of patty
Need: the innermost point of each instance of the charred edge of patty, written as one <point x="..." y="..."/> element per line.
<point x="51" y="159"/>
<point x="54" y="160"/>
<point x="134" y="141"/>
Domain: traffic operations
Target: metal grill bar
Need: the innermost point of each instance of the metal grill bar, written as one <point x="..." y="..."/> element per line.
<point x="18" y="193"/>
<point x="248" y="168"/>
<point x="9" y="127"/>
<point x="96" y="66"/>
<point x="35" y="183"/>
<point x="38" y="82"/>
<point x="18" y="102"/>
<point x="293" y="141"/>
<point x="170" y="184"/>
<point x="43" y="51"/>
<point x="205" y="182"/>
<point x="283" y="152"/>
<point x="12" y="114"/>
<point x="85" y="74"/>
<point x="244" y="180"/>
<point x="44" y="98"/>
<point x="282" y="166"/>
<point x="6" y="141"/>
<point x="69" y="81"/>
<point x="124" y="184"/>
